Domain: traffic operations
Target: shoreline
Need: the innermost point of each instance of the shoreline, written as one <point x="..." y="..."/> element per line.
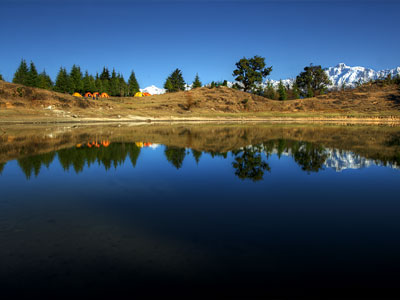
<point x="199" y="120"/>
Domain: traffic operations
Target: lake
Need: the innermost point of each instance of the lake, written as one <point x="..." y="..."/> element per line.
<point x="212" y="209"/>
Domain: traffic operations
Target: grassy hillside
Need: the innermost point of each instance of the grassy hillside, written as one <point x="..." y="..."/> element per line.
<point x="20" y="103"/>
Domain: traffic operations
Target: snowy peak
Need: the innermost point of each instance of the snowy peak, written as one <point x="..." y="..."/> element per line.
<point x="351" y="76"/>
<point x="339" y="75"/>
<point x="153" y="90"/>
<point x="343" y="74"/>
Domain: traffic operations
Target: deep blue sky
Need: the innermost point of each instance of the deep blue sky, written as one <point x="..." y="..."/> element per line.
<point x="208" y="37"/>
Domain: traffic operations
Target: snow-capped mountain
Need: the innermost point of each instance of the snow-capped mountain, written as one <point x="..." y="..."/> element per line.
<point x="339" y="75"/>
<point x="349" y="76"/>
<point x="153" y="90"/>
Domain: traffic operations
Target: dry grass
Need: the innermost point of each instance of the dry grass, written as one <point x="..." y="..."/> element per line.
<point x="18" y="103"/>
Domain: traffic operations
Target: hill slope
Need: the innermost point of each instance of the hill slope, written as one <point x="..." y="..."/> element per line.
<point x="19" y="103"/>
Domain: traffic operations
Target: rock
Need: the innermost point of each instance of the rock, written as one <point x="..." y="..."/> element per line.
<point x="74" y="116"/>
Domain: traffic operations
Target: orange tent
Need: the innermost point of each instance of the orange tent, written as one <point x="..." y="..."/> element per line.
<point x="104" y="95"/>
<point x="88" y="95"/>
<point x="105" y="143"/>
<point x="96" y="94"/>
<point x="146" y="94"/>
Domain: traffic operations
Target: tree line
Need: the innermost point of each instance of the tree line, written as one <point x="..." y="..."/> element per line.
<point x="112" y="83"/>
<point x="249" y="75"/>
<point x="247" y="162"/>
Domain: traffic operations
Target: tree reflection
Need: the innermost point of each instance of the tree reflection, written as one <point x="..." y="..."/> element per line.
<point x="196" y="155"/>
<point x="175" y="155"/>
<point x="113" y="155"/>
<point x="249" y="163"/>
<point x="2" y="167"/>
<point x="309" y="156"/>
<point x="33" y="164"/>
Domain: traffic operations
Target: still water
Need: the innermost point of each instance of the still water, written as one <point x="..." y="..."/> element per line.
<point x="224" y="210"/>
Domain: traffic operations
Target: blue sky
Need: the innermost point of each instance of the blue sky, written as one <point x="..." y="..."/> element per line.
<point x="155" y="37"/>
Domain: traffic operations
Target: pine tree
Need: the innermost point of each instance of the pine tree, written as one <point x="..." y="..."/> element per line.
<point x="114" y="82"/>
<point x="44" y="81"/>
<point x="176" y="82"/>
<point x="295" y="91"/>
<point x="123" y="87"/>
<point x="196" y="83"/>
<point x="21" y="75"/>
<point x="32" y="78"/>
<point x="86" y="82"/>
<point x="133" y="85"/>
<point x="76" y="79"/>
<point x="270" y="92"/>
<point x="63" y="84"/>
<point x="168" y="85"/>
<point x="105" y="81"/>
<point x="282" y="91"/>
<point x="98" y="84"/>
<point x="1" y="77"/>
<point x="105" y="75"/>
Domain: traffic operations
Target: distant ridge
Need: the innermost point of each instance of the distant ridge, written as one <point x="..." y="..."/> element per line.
<point x="339" y="75"/>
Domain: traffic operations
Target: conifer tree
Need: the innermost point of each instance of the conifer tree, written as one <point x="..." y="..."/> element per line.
<point x="105" y="81"/>
<point x="86" y="83"/>
<point x="105" y="75"/>
<point x="133" y="85"/>
<point x="176" y="82"/>
<point x="270" y="92"/>
<point x="98" y="84"/>
<point x="123" y="87"/>
<point x="92" y="85"/>
<point x="114" y="82"/>
<point x="196" y="83"/>
<point x="44" y="81"/>
<point x="63" y="84"/>
<point x="76" y="79"/>
<point x="21" y="75"/>
<point x="32" y="78"/>
<point x="282" y="91"/>
<point x="168" y="85"/>
<point x="1" y="77"/>
<point x="295" y="91"/>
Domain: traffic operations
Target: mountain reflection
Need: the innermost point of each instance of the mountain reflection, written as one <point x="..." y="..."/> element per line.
<point x="249" y="162"/>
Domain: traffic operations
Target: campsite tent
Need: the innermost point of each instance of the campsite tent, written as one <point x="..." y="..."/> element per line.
<point x="96" y="94"/>
<point x="88" y="95"/>
<point x="146" y="94"/>
<point x="104" y="95"/>
<point x="139" y="94"/>
<point x="77" y="95"/>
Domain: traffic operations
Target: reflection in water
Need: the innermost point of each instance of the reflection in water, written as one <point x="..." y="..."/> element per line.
<point x="195" y="213"/>
<point x="175" y="156"/>
<point x="249" y="162"/>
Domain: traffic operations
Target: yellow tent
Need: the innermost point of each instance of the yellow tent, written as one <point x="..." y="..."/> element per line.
<point x="139" y="94"/>
<point x="77" y="95"/>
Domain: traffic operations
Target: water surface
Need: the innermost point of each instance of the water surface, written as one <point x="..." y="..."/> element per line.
<point x="243" y="210"/>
